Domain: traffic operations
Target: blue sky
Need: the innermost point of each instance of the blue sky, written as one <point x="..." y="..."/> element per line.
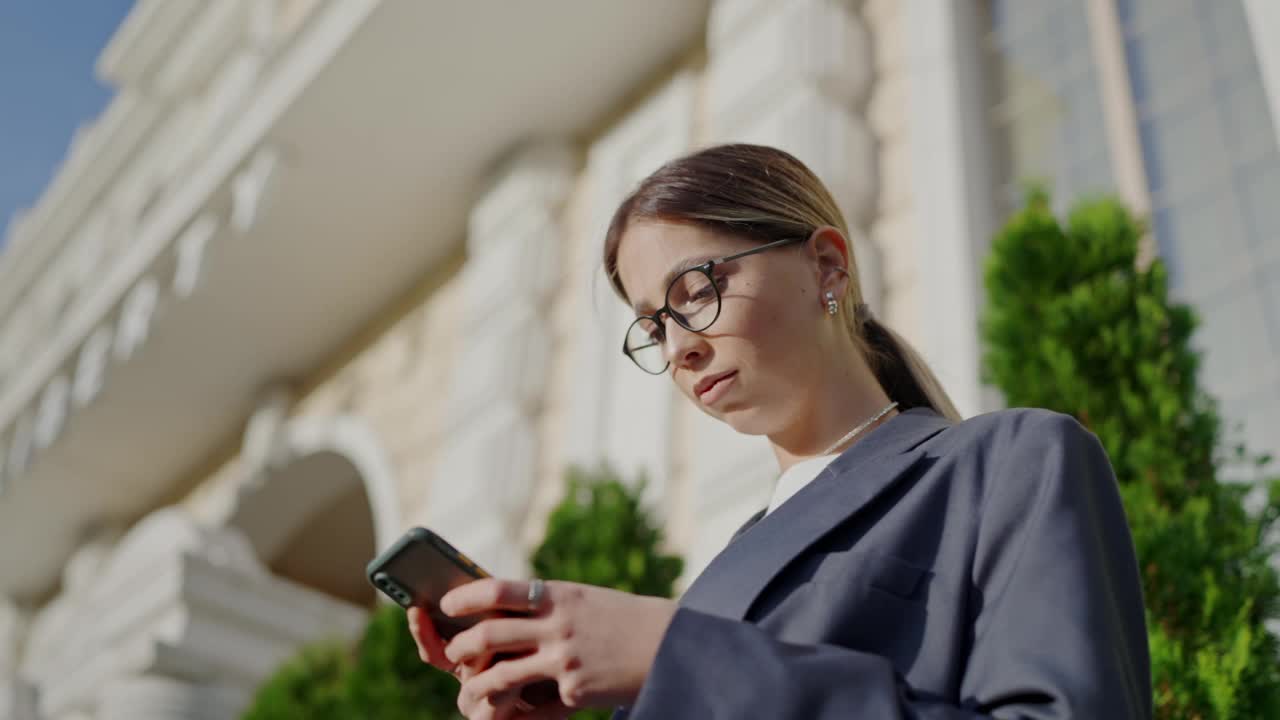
<point x="47" y="87"/>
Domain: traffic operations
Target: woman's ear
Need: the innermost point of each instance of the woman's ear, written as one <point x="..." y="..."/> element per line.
<point x="829" y="249"/>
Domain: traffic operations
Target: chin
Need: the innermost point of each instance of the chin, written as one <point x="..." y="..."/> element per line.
<point x="747" y="420"/>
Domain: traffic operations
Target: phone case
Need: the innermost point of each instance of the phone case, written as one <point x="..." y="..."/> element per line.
<point x="419" y="569"/>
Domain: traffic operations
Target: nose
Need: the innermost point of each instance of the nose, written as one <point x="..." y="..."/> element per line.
<point x="682" y="347"/>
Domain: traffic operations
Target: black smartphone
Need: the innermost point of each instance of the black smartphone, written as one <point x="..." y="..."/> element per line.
<point x="419" y="569"/>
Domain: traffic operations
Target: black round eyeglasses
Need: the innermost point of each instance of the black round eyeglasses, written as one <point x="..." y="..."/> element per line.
<point x="693" y="301"/>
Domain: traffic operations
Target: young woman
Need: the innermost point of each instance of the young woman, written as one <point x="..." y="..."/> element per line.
<point x="909" y="564"/>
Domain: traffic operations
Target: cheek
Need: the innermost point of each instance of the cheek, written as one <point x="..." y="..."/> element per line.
<point x="772" y="329"/>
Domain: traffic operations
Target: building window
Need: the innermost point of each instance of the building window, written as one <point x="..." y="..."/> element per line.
<point x="1047" y="114"/>
<point x="1213" y="168"/>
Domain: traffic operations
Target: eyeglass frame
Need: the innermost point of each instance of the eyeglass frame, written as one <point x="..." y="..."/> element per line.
<point x="705" y="268"/>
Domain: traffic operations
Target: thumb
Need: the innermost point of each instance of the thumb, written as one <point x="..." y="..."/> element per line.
<point x="430" y="645"/>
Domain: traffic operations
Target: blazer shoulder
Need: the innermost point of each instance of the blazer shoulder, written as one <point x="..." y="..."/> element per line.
<point x="1005" y="430"/>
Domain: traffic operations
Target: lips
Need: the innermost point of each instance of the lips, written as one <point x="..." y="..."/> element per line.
<point x="707" y="383"/>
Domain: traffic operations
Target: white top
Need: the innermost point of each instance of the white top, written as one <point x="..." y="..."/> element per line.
<point x="796" y="477"/>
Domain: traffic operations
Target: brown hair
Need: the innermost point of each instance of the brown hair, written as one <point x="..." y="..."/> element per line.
<point x="765" y="194"/>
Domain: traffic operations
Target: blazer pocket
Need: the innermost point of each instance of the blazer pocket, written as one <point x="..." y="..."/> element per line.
<point x="883" y="573"/>
<point x="896" y="577"/>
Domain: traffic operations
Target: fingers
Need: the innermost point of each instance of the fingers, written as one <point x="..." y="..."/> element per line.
<point x="493" y="708"/>
<point x="551" y="711"/>
<point x="504" y="678"/>
<point x="493" y="636"/>
<point x="430" y="645"/>
<point x="492" y="594"/>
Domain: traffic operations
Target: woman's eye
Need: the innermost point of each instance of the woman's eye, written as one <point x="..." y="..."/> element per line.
<point x="707" y="290"/>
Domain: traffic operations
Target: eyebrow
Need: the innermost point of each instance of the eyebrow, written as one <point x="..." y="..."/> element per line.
<point x="683" y="265"/>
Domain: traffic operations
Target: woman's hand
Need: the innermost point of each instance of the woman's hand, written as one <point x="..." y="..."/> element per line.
<point x="597" y="644"/>
<point x="431" y="650"/>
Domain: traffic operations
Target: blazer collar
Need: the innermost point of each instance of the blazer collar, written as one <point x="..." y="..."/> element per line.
<point x="734" y="579"/>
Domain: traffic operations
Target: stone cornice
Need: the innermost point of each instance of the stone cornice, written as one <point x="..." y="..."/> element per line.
<point x="141" y="43"/>
<point x="95" y="157"/>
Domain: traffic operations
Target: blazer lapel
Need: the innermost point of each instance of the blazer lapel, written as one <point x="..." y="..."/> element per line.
<point x="733" y="580"/>
<point x="750" y="521"/>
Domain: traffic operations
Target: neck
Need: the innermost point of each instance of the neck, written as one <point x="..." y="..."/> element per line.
<point x="844" y="399"/>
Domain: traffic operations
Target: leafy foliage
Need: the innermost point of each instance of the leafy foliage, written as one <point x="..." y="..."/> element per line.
<point x="601" y="535"/>
<point x="1073" y="324"/>
<point x="389" y="681"/>
<point x="308" y="686"/>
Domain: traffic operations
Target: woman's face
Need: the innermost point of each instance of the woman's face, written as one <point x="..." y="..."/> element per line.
<point x="755" y="366"/>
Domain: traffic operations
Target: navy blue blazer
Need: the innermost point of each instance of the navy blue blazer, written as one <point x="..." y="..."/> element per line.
<point x="933" y="570"/>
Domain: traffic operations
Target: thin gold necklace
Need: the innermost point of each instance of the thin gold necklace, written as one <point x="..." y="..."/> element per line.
<point x="866" y="424"/>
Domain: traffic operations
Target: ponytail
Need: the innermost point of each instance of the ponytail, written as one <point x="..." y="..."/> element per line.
<point x="901" y="371"/>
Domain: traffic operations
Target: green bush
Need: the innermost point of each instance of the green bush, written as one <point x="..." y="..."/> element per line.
<point x="308" y="686"/>
<point x="389" y="681"/>
<point x="601" y="535"/>
<point x="1073" y="324"/>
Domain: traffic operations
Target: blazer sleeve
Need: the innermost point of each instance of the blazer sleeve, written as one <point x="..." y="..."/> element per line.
<point x="1058" y="631"/>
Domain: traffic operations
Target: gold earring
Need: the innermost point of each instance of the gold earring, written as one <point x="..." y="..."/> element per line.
<point x="833" y="307"/>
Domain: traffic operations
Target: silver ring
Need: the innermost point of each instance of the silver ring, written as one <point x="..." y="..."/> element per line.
<point x="536" y="589"/>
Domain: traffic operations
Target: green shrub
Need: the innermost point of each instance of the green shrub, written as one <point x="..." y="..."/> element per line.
<point x="389" y="681"/>
<point x="1074" y="325"/>
<point x="308" y="686"/>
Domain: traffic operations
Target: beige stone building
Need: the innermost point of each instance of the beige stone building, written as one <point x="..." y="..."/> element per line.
<point x="325" y="269"/>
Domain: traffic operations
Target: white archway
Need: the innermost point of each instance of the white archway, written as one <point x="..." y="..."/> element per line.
<point x="353" y="439"/>
<point x="323" y="506"/>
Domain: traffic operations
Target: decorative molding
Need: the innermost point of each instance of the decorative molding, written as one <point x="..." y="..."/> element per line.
<point x="190" y="254"/>
<point x="138" y="46"/>
<point x="51" y="416"/>
<point x="95" y="158"/>
<point x="506" y="359"/>
<point x="797" y="77"/>
<point x="535" y="182"/>
<point x="262" y="448"/>
<point x="150" y="697"/>
<point x="210" y="39"/>
<point x="135" y="318"/>
<point x="179" y="600"/>
<point x="351" y="437"/>
<point x="818" y="43"/>
<point x="250" y="187"/>
<point x="286" y="77"/>
<point x="345" y="436"/>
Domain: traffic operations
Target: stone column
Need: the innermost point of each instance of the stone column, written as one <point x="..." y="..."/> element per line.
<point x="488" y="465"/>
